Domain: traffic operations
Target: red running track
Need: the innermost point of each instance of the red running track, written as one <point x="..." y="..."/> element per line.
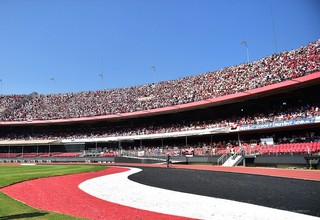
<point x="61" y="194"/>
<point x="276" y="172"/>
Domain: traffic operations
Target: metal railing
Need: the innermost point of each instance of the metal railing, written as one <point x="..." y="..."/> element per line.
<point x="223" y="158"/>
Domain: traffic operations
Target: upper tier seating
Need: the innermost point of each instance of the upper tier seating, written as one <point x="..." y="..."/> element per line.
<point x="266" y="71"/>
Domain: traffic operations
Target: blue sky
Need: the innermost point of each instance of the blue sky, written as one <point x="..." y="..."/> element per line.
<point x="66" y="40"/>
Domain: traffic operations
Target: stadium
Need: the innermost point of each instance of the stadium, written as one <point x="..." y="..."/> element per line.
<point x="214" y="127"/>
<point x="268" y="115"/>
<point x="159" y="110"/>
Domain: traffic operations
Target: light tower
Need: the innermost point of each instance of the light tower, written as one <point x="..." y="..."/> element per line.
<point x="101" y="75"/>
<point x="154" y="74"/>
<point x="53" y="83"/>
<point x="245" y="43"/>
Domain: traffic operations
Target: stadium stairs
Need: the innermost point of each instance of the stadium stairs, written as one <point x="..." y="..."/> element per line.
<point x="232" y="161"/>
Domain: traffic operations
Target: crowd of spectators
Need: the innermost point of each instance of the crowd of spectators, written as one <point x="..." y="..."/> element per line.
<point x="305" y="111"/>
<point x="304" y="140"/>
<point x="232" y="122"/>
<point x="9" y="102"/>
<point x="266" y="71"/>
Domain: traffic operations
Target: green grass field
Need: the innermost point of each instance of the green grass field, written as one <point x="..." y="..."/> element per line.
<point x="12" y="209"/>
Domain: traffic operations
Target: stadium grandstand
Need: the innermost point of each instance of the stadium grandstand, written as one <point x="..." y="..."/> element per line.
<point x="263" y="113"/>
